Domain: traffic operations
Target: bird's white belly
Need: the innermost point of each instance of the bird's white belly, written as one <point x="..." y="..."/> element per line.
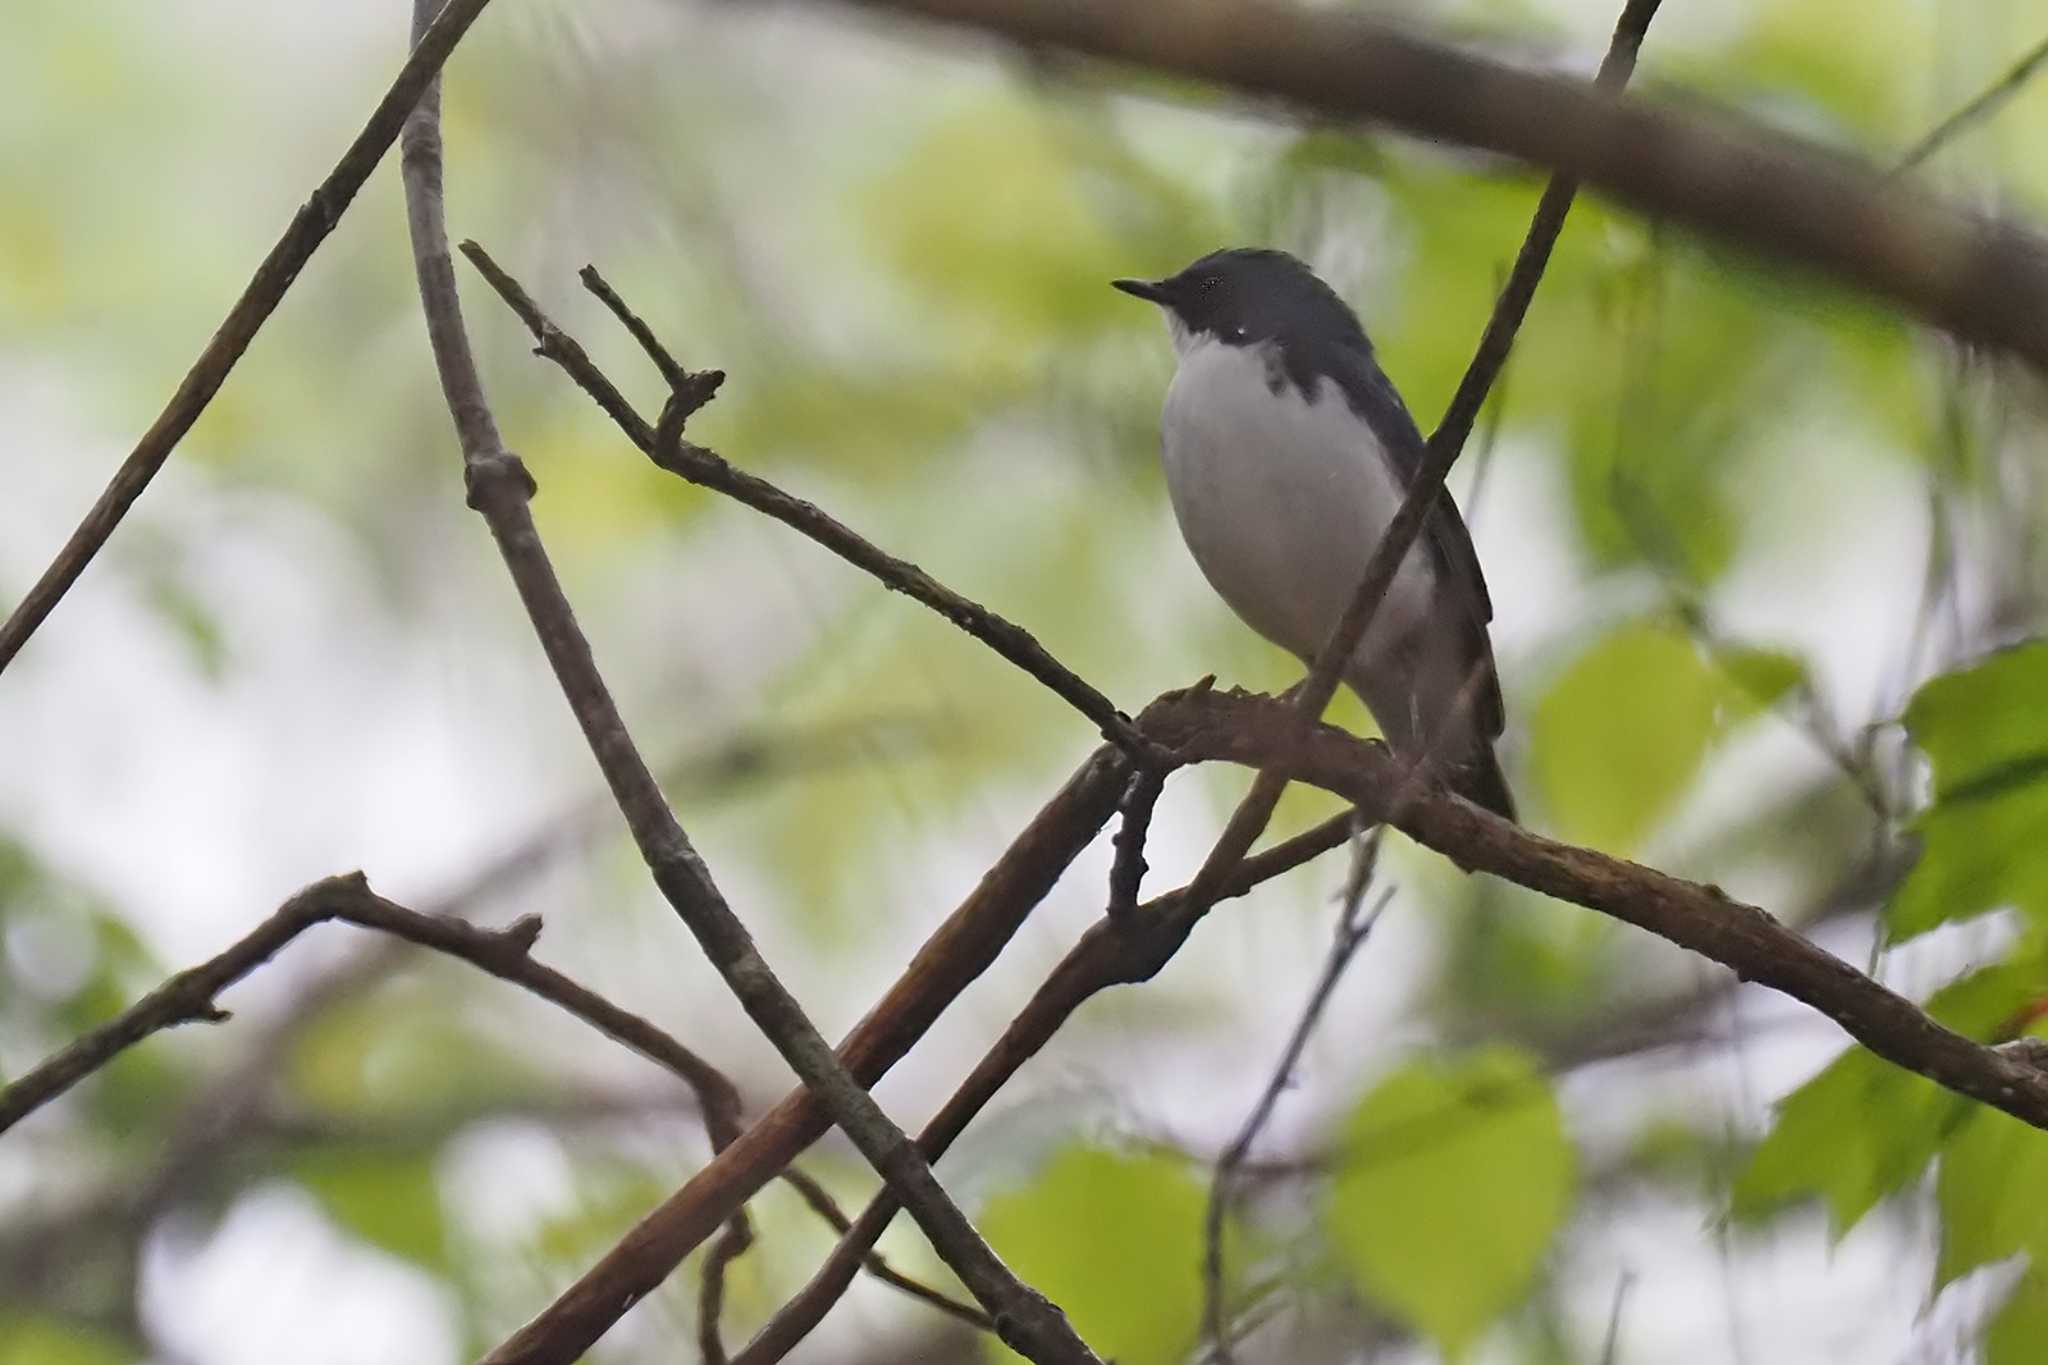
<point x="1281" y="500"/>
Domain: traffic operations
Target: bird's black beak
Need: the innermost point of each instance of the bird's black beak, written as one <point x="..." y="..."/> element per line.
<point x="1148" y="290"/>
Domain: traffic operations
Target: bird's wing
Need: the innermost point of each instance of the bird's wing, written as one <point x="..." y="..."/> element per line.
<point x="1449" y="545"/>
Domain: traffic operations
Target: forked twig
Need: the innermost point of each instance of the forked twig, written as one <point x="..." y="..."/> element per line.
<point x="709" y="470"/>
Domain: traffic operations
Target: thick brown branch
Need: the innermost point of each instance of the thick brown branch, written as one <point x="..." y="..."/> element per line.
<point x="500" y="488"/>
<point x="1778" y="196"/>
<point x="1237" y="728"/>
<point x="1201" y="725"/>
<point x="302" y="236"/>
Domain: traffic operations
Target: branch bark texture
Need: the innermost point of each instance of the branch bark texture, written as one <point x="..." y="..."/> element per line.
<point x="1778" y="196"/>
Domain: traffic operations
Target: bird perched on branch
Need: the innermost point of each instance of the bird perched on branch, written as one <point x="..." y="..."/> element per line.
<point x="1287" y="453"/>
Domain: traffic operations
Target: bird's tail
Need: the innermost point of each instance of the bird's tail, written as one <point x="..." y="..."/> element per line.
<point x="1479" y="780"/>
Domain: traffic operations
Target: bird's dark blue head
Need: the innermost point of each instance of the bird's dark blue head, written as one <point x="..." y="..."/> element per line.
<point x="1246" y="295"/>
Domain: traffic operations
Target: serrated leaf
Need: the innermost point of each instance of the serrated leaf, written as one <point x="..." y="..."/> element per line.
<point x="1115" y="1239"/>
<point x="1984" y="841"/>
<point x="1863" y="1128"/>
<point x="1852" y="1135"/>
<point x="1455" y="1178"/>
<point x="1621" y="733"/>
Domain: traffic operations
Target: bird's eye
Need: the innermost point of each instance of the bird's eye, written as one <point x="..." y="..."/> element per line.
<point x="1209" y="283"/>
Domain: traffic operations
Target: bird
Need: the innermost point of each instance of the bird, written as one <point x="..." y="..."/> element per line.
<point x="1288" y="451"/>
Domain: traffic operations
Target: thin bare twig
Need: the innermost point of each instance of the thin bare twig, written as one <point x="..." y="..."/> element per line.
<point x="504" y="953"/>
<point x="1127" y="872"/>
<point x="827" y="1208"/>
<point x="688" y="391"/>
<point x="707" y="469"/>
<point x="1982" y="106"/>
<point x="206" y="1131"/>
<point x="302" y="236"/>
<point x="730" y="1246"/>
<point x="1611" y="1343"/>
<point x="1354" y="925"/>
<point x="500" y="488"/>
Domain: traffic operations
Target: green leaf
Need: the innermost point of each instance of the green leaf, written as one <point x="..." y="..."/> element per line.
<point x="612" y="1194"/>
<point x="1764" y="675"/>
<point x="37" y="1339"/>
<point x="1863" y="1128"/>
<point x="1984" y="841"/>
<point x="1115" y="1239"/>
<point x="1455" y="1178"/>
<point x="2019" y="1334"/>
<point x="1621" y="733"/>
<point x="389" y="1199"/>
<point x="1828" y="1141"/>
<point x="1992" y="1189"/>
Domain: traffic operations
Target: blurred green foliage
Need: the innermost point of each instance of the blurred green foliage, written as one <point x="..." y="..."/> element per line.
<point x="1861" y="1129"/>
<point x="900" y="255"/>
<point x="1113" y="1238"/>
<point x="1452" y="1180"/>
<point x="1621" y="733"/>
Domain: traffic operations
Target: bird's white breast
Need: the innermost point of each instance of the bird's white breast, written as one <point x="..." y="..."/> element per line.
<point x="1282" y="498"/>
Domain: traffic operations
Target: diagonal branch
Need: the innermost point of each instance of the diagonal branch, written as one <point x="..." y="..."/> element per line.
<point x="504" y="953"/>
<point x="1983" y="105"/>
<point x="302" y="237"/>
<point x="1239" y="728"/>
<point x="708" y="470"/>
<point x="958" y="952"/>
<point x="1201" y="725"/>
<point x="1786" y="199"/>
<point x="1115" y="950"/>
<point x="500" y="489"/>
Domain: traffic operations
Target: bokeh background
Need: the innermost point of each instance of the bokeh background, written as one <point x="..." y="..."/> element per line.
<point x="1733" y="520"/>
